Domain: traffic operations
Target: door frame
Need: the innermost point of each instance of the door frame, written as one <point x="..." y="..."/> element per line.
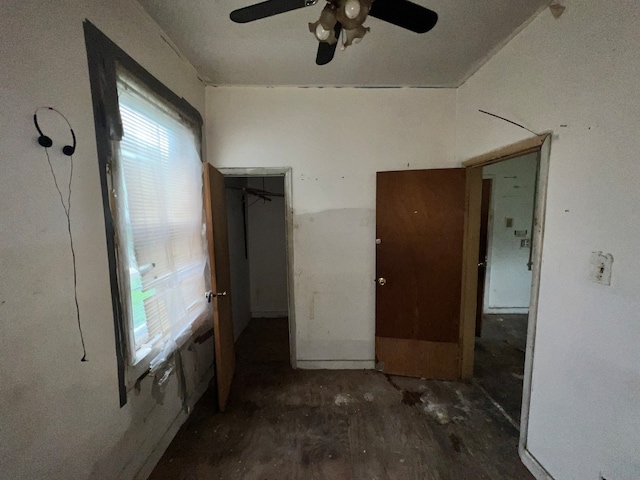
<point x="542" y="145"/>
<point x="487" y="258"/>
<point x="288" y="202"/>
<point x="487" y="273"/>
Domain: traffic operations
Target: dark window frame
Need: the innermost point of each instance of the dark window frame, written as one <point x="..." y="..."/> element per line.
<point x="103" y="56"/>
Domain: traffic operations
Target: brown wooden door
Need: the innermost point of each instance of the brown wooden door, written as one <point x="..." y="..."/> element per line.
<point x="487" y="185"/>
<point x="420" y="225"/>
<point x="216" y="213"/>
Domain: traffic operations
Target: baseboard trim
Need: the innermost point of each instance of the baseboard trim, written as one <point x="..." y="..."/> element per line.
<point x="506" y="310"/>
<point x="270" y="314"/>
<point x="155" y="456"/>
<point x="336" y="364"/>
<point x="536" y="469"/>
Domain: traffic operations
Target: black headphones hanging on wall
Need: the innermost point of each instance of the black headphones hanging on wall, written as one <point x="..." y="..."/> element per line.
<point x="46" y="141"/>
<point x="68" y="150"/>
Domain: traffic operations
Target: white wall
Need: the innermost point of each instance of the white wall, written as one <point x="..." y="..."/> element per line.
<point x="238" y="258"/>
<point x="268" y="250"/>
<point x="60" y="417"/>
<point x="334" y="140"/>
<point x="508" y="283"/>
<point x="580" y="77"/>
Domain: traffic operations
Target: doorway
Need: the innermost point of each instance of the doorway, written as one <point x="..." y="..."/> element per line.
<point x="400" y="350"/>
<point x="260" y="258"/>
<point x="541" y="145"/>
<point x="504" y="280"/>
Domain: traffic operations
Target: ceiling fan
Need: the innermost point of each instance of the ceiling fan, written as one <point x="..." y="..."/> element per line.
<point x="344" y="15"/>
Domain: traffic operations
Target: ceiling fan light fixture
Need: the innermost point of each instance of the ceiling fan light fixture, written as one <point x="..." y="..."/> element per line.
<point x="352" y="13"/>
<point x="352" y="9"/>
<point x="344" y="18"/>
<point x="321" y="33"/>
<point x="355" y="35"/>
<point x="324" y="28"/>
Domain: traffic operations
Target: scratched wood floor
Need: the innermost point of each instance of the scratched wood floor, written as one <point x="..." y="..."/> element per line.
<point x="345" y="425"/>
<point x="499" y="360"/>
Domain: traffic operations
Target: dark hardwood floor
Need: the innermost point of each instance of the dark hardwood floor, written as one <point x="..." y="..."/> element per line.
<point x="344" y="425"/>
<point x="499" y="360"/>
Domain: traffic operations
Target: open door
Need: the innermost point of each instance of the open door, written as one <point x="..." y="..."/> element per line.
<point x="423" y="255"/>
<point x="220" y="294"/>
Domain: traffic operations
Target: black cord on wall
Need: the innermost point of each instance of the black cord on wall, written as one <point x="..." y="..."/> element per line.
<point x="68" y="150"/>
<point x="67" y="213"/>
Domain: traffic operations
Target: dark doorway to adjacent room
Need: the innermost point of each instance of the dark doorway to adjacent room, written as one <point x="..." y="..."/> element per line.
<point x="256" y="215"/>
<point x="504" y="280"/>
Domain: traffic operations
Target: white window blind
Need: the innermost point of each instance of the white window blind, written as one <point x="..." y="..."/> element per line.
<point x="161" y="244"/>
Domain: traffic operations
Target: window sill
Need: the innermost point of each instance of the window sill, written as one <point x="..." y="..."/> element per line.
<point x="140" y="367"/>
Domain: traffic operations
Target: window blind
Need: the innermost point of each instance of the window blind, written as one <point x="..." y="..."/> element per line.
<point x="158" y="185"/>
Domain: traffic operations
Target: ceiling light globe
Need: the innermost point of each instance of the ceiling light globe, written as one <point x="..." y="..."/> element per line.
<point x="322" y="33"/>
<point x="352" y="8"/>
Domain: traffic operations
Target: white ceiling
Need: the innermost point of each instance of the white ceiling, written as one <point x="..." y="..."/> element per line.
<point x="280" y="50"/>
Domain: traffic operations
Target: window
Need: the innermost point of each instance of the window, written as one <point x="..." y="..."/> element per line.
<point x="148" y="143"/>
<point x="157" y="180"/>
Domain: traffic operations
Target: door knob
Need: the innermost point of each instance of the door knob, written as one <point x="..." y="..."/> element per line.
<point x="382" y="281"/>
<point x="482" y="264"/>
<point x="210" y="294"/>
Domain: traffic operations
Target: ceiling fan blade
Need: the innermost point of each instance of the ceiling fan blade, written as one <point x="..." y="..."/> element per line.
<point x="404" y="14"/>
<point x="326" y="51"/>
<point x="268" y="9"/>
